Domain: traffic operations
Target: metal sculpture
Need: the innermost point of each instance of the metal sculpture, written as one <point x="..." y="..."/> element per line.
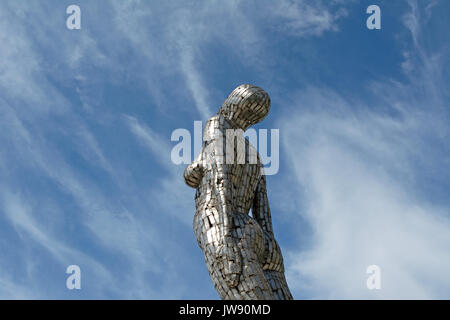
<point x="241" y="254"/>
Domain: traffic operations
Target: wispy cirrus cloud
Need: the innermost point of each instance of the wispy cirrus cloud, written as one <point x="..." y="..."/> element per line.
<point x="305" y="18"/>
<point x="111" y="223"/>
<point x="83" y="183"/>
<point x="366" y="177"/>
<point x="357" y="175"/>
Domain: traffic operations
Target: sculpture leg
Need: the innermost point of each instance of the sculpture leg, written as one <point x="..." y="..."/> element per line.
<point x="278" y="284"/>
<point x="253" y="284"/>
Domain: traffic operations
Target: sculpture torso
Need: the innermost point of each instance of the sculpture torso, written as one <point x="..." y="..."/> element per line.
<point x="244" y="173"/>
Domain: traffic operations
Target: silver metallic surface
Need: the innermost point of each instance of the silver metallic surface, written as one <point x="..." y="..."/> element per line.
<point x="241" y="254"/>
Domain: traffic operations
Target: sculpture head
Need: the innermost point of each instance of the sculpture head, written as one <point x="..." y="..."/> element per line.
<point x="245" y="106"/>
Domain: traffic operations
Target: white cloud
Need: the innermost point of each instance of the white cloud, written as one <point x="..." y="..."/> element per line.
<point x="186" y="30"/>
<point x="363" y="211"/>
<point x="36" y="117"/>
<point x="22" y="218"/>
<point x="362" y="170"/>
<point x="11" y="290"/>
<point x="135" y="224"/>
<point x="170" y="192"/>
<point x="306" y="18"/>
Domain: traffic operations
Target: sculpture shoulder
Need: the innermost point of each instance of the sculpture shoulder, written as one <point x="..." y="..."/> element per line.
<point x="213" y="128"/>
<point x="216" y="127"/>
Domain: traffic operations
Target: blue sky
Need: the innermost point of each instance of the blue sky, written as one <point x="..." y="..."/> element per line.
<point x="87" y="115"/>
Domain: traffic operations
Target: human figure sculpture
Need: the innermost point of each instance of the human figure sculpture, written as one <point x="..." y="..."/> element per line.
<point x="241" y="254"/>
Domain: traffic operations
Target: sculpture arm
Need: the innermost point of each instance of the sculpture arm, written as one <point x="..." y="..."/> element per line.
<point x="261" y="209"/>
<point x="193" y="173"/>
<point x="273" y="258"/>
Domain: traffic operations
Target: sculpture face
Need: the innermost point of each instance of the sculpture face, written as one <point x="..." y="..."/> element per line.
<point x="246" y="106"/>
